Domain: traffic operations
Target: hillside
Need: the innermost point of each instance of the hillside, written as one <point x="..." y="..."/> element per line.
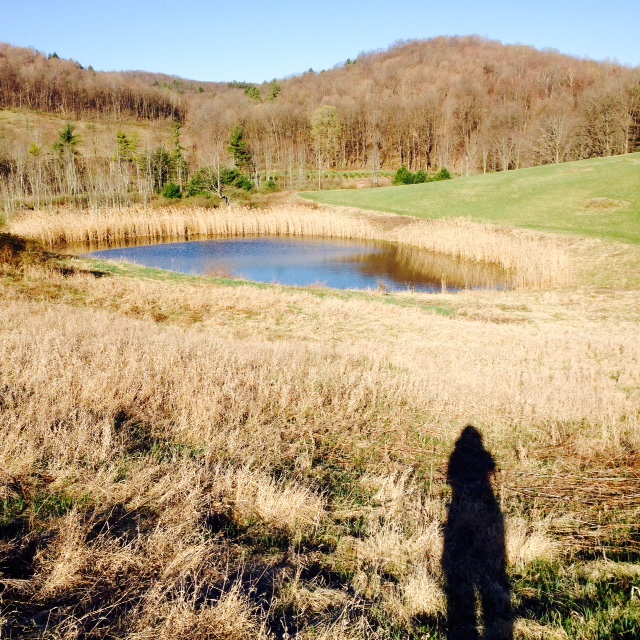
<point x="468" y="104"/>
<point x="97" y="137"/>
<point x="29" y="79"/>
<point x="598" y="197"/>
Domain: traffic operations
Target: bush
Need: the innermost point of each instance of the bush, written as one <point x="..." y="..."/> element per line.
<point x="205" y="181"/>
<point x="443" y="174"/>
<point x="420" y="177"/>
<point x="172" y="191"/>
<point x="271" y="185"/>
<point x="234" y="178"/>
<point x="403" y="176"/>
<point x="202" y="183"/>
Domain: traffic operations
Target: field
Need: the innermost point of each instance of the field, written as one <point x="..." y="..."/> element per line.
<point x="191" y="458"/>
<point x="598" y="198"/>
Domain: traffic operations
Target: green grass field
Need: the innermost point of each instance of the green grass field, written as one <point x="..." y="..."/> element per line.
<point x="599" y="198"/>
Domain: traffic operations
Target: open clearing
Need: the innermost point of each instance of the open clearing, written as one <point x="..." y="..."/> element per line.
<point x="598" y="198"/>
<point x="193" y="457"/>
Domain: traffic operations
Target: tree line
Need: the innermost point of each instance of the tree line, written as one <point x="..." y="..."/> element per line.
<point x="468" y="104"/>
<point x="31" y="80"/>
<point x="60" y="174"/>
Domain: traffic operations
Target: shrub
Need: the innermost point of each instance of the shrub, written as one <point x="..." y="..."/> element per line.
<point x="235" y="178"/>
<point x="443" y="174"/>
<point x="420" y="177"/>
<point x="403" y="176"/>
<point x="205" y="181"/>
<point x="172" y="191"/>
<point x="253" y="93"/>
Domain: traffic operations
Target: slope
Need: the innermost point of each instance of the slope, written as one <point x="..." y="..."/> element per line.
<point x="598" y="197"/>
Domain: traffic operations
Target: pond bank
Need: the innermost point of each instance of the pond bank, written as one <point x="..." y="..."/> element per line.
<point x="534" y="261"/>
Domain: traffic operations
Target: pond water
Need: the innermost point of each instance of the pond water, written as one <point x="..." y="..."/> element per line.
<point x="337" y="264"/>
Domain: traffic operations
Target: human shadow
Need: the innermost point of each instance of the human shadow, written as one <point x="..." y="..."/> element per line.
<point x="474" y="556"/>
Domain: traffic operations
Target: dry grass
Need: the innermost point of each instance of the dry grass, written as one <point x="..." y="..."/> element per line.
<point x="530" y="260"/>
<point x="529" y="630"/>
<point x="282" y="506"/>
<point x="526" y="543"/>
<point x="605" y="204"/>
<point x="182" y="459"/>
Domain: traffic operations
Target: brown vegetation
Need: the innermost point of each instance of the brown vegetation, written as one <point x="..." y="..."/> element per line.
<point x="528" y="260"/>
<point x="468" y="104"/>
<point x="183" y="459"/>
<point x="465" y="103"/>
<point x="31" y="81"/>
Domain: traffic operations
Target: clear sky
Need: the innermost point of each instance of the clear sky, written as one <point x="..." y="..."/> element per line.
<point x="257" y="40"/>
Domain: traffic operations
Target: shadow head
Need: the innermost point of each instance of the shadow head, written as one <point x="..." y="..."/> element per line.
<point x="470" y="463"/>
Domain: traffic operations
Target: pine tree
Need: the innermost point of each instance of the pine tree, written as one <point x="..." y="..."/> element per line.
<point x="179" y="161"/>
<point x="239" y="149"/>
<point x="67" y="141"/>
<point x="274" y="90"/>
<point x="127" y="147"/>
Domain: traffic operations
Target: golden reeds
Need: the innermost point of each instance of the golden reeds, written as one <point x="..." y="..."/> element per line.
<point x="529" y="261"/>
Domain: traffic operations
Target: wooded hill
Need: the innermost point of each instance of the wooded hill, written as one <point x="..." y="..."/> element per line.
<point x="31" y="80"/>
<point x="465" y="103"/>
<point x="469" y="104"/>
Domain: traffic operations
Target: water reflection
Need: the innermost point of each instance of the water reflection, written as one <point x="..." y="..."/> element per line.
<point x="408" y="264"/>
<point x="338" y="264"/>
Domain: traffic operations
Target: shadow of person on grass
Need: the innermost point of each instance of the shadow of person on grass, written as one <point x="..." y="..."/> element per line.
<point x="474" y="556"/>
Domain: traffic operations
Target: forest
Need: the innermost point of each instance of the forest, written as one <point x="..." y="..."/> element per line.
<point x="467" y="104"/>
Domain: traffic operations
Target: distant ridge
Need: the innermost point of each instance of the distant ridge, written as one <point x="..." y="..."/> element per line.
<point x="466" y="103"/>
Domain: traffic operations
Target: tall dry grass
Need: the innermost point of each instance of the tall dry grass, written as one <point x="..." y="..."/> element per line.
<point x="196" y="461"/>
<point x="529" y="261"/>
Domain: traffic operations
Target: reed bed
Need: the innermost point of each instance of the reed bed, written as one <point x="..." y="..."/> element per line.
<point x="528" y="261"/>
<point x="452" y="272"/>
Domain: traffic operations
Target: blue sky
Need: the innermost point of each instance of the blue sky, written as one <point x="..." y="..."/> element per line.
<point x="256" y="41"/>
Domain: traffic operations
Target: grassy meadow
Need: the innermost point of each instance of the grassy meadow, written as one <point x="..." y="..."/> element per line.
<point x="192" y="458"/>
<point x="599" y="198"/>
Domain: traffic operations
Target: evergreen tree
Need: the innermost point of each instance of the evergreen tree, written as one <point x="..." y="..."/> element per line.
<point x="207" y="181"/>
<point x="253" y="93"/>
<point x="172" y="191"/>
<point x="274" y="90"/>
<point x="420" y="177"/>
<point x="35" y="150"/>
<point x="239" y="148"/>
<point x="127" y="147"/>
<point x="443" y="174"/>
<point x="67" y="141"/>
<point x="403" y="176"/>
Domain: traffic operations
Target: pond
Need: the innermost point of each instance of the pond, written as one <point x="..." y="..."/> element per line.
<point x="321" y="262"/>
